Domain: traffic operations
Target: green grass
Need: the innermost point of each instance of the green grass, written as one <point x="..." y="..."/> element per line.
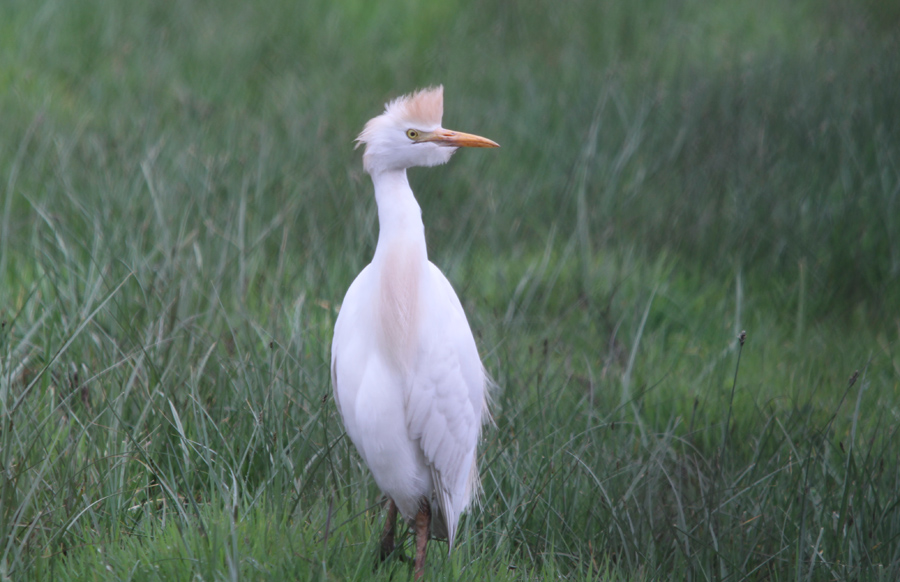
<point x="182" y="210"/>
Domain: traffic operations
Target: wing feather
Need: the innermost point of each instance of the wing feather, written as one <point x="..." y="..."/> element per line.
<point x="445" y="405"/>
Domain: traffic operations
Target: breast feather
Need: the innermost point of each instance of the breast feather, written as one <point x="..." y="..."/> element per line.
<point x="398" y="307"/>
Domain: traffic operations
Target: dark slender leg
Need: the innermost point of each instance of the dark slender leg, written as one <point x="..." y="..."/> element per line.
<point x="387" y="535"/>
<point x="423" y="532"/>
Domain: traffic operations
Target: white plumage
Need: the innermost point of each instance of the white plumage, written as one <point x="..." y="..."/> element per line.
<point x="407" y="378"/>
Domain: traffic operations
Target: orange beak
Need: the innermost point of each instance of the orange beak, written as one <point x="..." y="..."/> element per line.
<point x="458" y="139"/>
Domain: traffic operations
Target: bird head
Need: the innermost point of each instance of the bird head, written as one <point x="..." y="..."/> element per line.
<point x="409" y="133"/>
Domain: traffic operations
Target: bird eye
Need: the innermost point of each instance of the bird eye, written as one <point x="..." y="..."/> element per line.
<point x="412" y="134"/>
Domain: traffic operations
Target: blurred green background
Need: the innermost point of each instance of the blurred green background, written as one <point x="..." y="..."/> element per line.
<point x="758" y="138"/>
<point x="182" y="210"/>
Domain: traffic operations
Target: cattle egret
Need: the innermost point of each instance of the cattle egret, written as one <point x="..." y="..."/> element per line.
<point x="408" y="381"/>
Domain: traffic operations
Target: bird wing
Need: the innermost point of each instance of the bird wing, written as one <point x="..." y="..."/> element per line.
<point x="445" y="401"/>
<point x="347" y="343"/>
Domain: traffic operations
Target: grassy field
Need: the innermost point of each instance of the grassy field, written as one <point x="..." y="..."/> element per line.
<point x="182" y="210"/>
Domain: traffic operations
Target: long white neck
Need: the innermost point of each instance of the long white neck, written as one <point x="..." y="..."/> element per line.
<point x="400" y="262"/>
<point x="399" y="215"/>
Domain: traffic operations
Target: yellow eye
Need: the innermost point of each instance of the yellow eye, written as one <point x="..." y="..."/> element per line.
<point x="412" y="134"/>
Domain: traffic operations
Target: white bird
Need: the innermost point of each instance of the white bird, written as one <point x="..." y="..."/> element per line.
<point x="408" y="381"/>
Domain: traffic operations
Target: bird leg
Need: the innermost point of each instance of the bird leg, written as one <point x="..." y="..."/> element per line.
<point x="387" y="535"/>
<point x="423" y="532"/>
